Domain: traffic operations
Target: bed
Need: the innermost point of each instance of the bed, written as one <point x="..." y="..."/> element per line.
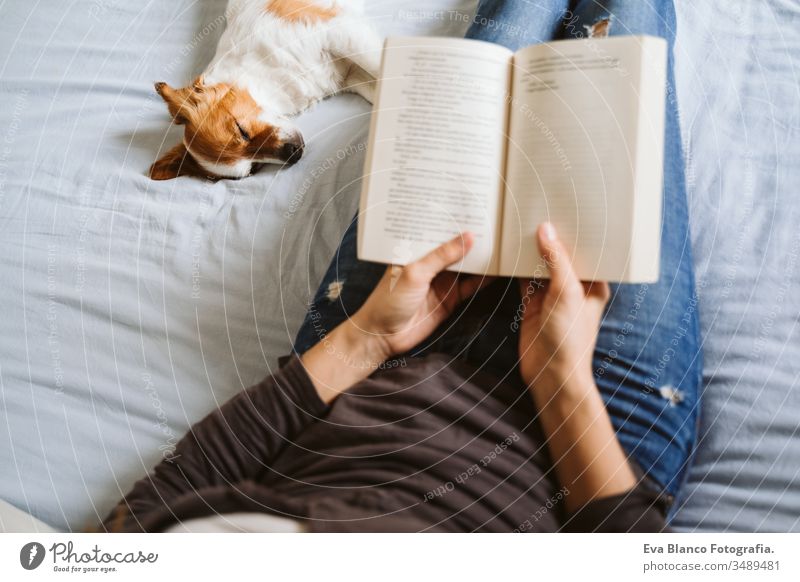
<point x="132" y="308"/>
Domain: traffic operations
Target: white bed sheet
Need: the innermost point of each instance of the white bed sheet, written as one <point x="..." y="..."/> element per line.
<point x="132" y="308"/>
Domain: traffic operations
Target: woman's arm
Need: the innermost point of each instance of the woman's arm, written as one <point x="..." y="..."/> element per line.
<point x="229" y="446"/>
<point x="557" y="340"/>
<point x="241" y="439"/>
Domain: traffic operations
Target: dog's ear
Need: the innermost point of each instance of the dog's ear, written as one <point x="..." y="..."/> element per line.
<point x="178" y="101"/>
<point x="176" y="162"/>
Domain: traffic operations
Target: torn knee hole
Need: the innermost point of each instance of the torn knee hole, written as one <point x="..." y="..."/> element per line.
<point x="672" y="395"/>
<point x="599" y="29"/>
<point x="334" y="290"/>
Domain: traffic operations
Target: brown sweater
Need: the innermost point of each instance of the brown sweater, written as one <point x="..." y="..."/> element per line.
<point x="433" y="446"/>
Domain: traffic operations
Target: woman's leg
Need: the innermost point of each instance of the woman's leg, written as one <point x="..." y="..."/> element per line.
<point x="648" y="362"/>
<point x="518" y="23"/>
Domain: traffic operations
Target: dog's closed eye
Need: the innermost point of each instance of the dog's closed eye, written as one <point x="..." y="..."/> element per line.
<point x="242" y="132"/>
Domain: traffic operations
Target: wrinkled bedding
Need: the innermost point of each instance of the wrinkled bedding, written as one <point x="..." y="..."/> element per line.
<point x="131" y="308"/>
<point x="738" y="68"/>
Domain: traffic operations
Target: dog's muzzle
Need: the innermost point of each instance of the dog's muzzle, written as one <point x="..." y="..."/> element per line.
<point x="292" y="151"/>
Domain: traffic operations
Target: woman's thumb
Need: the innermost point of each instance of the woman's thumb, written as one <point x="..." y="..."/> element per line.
<point x="554" y="255"/>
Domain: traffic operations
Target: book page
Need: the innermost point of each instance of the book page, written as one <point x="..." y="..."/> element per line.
<point x="574" y="150"/>
<point x="437" y="147"/>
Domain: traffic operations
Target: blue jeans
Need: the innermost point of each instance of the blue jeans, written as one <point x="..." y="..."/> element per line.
<point x="648" y="361"/>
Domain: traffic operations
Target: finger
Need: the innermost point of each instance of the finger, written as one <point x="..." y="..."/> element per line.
<point x="554" y="253"/>
<point x="444" y="256"/>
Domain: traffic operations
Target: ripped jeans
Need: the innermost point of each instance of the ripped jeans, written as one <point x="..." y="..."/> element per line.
<point x="648" y="361"/>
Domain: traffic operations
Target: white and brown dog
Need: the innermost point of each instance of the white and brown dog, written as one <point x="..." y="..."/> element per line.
<point x="275" y="59"/>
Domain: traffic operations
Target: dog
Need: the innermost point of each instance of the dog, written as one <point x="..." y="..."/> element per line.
<point x="275" y="59"/>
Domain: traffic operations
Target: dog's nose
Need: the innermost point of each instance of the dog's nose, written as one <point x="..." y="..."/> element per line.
<point x="293" y="150"/>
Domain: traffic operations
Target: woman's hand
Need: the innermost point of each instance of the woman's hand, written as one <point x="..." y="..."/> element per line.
<point x="560" y="322"/>
<point x="405" y="308"/>
<point x="410" y="302"/>
<point x="557" y="341"/>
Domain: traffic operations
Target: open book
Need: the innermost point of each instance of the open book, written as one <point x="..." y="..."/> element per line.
<point x="468" y="136"/>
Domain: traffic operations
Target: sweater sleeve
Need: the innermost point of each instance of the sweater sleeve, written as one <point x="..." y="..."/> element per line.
<point x="233" y="444"/>
<point x="639" y="510"/>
